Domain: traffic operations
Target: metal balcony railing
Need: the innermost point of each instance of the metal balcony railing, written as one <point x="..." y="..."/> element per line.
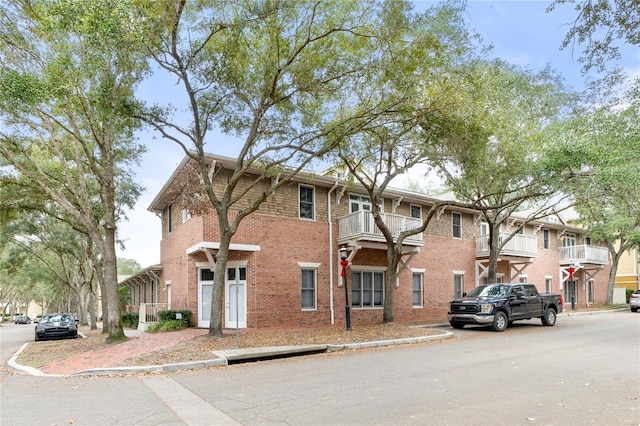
<point x="360" y="225"/>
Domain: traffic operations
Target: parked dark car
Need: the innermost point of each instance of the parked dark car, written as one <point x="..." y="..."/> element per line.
<point x="22" y="319"/>
<point x="56" y="326"/>
<point x="499" y="305"/>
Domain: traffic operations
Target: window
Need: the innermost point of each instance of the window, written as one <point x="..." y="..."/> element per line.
<point x="458" y="285"/>
<point x="308" y="280"/>
<point x="545" y="239"/>
<point x="307" y="208"/>
<point x="456" y="222"/>
<point x="416" y="211"/>
<point x="367" y="289"/>
<point x="186" y="215"/>
<point x="590" y="291"/>
<point x="417" y="290"/>
<point x="169" y="218"/>
<point x="357" y="203"/>
<point x="547" y="285"/>
<point x="484" y="228"/>
<point x="522" y="279"/>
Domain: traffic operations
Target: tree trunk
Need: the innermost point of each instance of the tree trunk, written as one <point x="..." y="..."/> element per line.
<point x="494" y="252"/>
<point x="219" y="274"/>
<point x="615" y="259"/>
<point x="393" y="259"/>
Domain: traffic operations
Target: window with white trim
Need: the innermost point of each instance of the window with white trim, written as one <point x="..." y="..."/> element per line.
<point x="590" y="291"/>
<point x="358" y="202"/>
<point x="547" y="285"/>
<point x="456" y="225"/>
<point x="308" y="288"/>
<point x="367" y="289"/>
<point x="546" y="242"/>
<point x="458" y="285"/>
<point x="417" y="290"/>
<point x="416" y="211"/>
<point x="307" y="203"/>
<point x="186" y="215"/>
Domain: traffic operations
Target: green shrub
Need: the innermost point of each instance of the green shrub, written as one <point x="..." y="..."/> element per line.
<point x="130" y="320"/>
<point x="629" y="292"/>
<point x="169" y="322"/>
<point x="168" y="325"/>
<point x="171" y="315"/>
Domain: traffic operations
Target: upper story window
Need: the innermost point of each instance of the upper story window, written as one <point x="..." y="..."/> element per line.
<point x="484" y="228"/>
<point x="358" y="202"/>
<point x="456" y="224"/>
<point x="307" y="202"/>
<point x="186" y="215"/>
<point x="546" y="242"/>
<point x="569" y="240"/>
<point x="416" y="211"/>
<point x="170" y="218"/>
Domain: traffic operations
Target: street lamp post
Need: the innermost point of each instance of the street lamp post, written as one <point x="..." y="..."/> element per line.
<point x="344" y="263"/>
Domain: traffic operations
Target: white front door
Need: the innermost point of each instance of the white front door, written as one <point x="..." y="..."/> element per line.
<point x="205" y="292"/>
<point x="235" y="290"/>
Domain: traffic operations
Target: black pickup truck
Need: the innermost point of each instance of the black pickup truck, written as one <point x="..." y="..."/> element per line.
<point x="499" y="305"/>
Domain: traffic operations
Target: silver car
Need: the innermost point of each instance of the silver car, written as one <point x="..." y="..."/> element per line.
<point x="634" y="301"/>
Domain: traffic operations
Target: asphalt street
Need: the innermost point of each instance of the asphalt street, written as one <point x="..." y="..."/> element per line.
<point x="585" y="370"/>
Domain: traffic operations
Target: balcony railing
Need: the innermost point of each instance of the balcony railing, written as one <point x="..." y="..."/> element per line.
<point x="518" y="245"/>
<point x="584" y="254"/>
<point x="148" y="314"/>
<point x="360" y="225"/>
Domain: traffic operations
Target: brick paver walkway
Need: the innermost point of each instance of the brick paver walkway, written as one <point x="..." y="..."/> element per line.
<point x="110" y="356"/>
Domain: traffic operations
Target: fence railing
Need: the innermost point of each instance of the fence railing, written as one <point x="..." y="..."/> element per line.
<point x="584" y="254"/>
<point x="148" y="313"/>
<point x="518" y="245"/>
<point x="360" y="225"/>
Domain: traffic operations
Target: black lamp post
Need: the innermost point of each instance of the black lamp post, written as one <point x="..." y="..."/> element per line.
<point x="344" y="263"/>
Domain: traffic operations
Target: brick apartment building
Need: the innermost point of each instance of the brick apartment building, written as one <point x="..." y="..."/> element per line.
<point x="284" y="266"/>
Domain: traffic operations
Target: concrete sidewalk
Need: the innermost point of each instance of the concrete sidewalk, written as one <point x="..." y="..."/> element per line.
<point x="98" y="362"/>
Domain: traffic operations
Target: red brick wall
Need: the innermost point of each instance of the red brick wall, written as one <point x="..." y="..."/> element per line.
<point x="273" y="274"/>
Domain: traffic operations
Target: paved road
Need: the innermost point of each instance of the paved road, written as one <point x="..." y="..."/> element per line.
<point x="585" y="370"/>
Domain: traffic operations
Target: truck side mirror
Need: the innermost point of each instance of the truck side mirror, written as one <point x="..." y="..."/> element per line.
<point x="520" y="295"/>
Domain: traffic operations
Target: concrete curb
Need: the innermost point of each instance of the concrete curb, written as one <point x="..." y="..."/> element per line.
<point x="226" y="357"/>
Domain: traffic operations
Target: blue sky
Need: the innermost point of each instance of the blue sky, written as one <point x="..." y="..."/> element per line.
<point x="521" y="32"/>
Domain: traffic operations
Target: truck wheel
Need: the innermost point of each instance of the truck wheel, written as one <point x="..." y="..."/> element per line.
<point x="500" y="321"/>
<point x="456" y="325"/>
<point x="549" y="317"/>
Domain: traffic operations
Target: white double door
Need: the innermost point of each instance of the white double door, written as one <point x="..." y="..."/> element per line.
<point x="235" y="297"/>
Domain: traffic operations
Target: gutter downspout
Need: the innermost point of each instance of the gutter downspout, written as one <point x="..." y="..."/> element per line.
<point x="331" y="309"/>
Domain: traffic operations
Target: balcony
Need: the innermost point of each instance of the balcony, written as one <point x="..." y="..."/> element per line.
<point x="584" y="254"/>
<point x="518" y="246"/>
<point x="360" y="226"/>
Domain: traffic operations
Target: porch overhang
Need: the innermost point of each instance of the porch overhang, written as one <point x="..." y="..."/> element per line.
<point x="208" y="247"/>
<point x="151" y="272"/>
<point x="215" y="245"/>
